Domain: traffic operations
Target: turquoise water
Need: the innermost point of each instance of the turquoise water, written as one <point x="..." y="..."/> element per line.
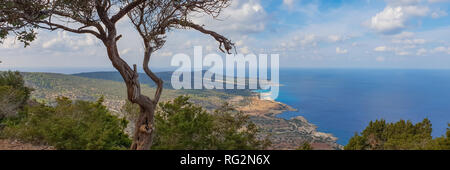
<point x="344" y="101"/>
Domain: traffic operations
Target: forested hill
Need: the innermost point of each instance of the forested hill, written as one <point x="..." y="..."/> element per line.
<point x="91" y="86"/>
<point x="165" y="76"/>
<point x="115" y="76"/>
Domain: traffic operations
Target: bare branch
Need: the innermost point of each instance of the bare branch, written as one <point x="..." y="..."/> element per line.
<point x="159" y="82"/>
<point x="125" y="10"/>
<point x="224" y="42"/>
<point x="86" y="22"/>
<point x="78" y="31"/>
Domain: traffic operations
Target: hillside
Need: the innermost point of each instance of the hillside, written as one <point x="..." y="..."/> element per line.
<point x="48" y="86"/>
<point x="285" y="134"/>
<point x="165" y="76"/>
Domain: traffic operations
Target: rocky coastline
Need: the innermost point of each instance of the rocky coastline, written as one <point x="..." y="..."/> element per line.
<point x="285" y="134"/>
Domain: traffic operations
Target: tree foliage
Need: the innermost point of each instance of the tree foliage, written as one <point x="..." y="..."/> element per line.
<point x="13" y="93"/>
<point x="70" y="125"/>
<point x="402" y="135"/>
<point x="441" y="143"/>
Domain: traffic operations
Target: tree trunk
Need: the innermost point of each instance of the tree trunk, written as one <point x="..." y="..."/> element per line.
<point x="143" y="133"/>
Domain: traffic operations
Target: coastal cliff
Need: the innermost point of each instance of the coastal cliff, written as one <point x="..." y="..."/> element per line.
<point x="284" y="134"/>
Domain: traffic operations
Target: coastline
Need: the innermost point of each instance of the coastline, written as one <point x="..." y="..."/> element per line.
<point x="285" y="134"/>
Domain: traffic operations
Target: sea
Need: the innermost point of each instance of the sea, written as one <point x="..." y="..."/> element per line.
<point x="343" y="101"/>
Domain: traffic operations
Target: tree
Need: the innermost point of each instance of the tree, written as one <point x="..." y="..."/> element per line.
<point x="441" y="143"/>
<point x="13" y="94"/>
<point x="151" y="18"/>
<point x="357" y="142"/>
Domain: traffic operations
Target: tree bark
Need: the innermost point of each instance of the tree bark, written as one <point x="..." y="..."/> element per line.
<point x="144" y="129"/>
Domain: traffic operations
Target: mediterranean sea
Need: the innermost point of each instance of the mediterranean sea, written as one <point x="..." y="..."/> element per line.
<point x="344" y="101"/>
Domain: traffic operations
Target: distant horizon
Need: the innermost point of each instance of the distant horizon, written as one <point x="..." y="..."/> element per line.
<point x="77" y="70"/>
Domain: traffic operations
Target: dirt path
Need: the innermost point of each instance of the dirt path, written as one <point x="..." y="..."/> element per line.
<point x="6" y="144"/>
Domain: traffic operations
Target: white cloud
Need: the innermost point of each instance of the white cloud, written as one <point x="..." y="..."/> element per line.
<point x="404" y="35"/>
<point x="341" y="50"/>
<point x="380" y="59"/>
<point x="421" y="51"/>
<point x="438" y="14"/>
<point x="52" y="42"/>
<point x="396" y="15"/>
<point x="409" y="41"/>
<point x="402" y="2"/>
<point x="245" y="50"/>
<point x="401" y="53"/>
<point x="437" y="1"/>
<point x="243" y="17"/>
<point x="334" y="38"/>
<point x="303" y="40"/>
<point x="73" y="42"/>
<point x="398" y="50"/>
<point x="239" y="43"/>
<point x="125" y="51"/>
<point x="441" y="49"/>
<point x="381" y="49"/>
<point x="10" y="43"/>
<point x="309" y="39"/>
<point x="165" y="54"/>
<point x="288" y="2"/>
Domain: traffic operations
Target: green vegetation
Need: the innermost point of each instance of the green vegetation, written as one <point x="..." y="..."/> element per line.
<point x="182" y="125"/>
<point x="78" y="124"/>
<point x="441" y="143"/>
<point x="68" y="125"/>
<point x="13" y="94"/>
<point x="402" y="135"/>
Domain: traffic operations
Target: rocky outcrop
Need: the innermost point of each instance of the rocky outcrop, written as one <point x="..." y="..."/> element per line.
<point x="286" y="134"/>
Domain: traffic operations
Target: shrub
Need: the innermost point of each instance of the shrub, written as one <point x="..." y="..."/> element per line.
<point x="402" y="135"/>
<point x="306" y="146"/>
<point x="70" y="125"/>
<point x="13" y="94"/>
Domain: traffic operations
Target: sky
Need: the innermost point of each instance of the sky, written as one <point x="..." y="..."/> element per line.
<point x="404" y="34"/>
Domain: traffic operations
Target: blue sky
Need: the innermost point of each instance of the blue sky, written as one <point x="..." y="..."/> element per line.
<point x="306" y="34"/>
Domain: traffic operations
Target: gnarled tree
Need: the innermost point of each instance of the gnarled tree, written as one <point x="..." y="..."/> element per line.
<point x="151" y="18"/>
